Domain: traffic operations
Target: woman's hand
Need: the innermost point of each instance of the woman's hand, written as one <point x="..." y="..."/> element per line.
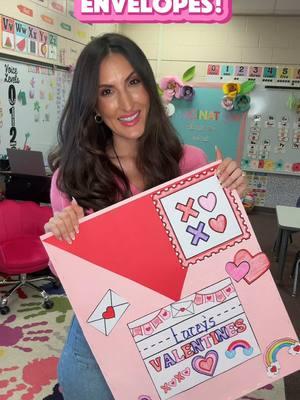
<point x="65" y="224"/>
<point x="230" y="174"/>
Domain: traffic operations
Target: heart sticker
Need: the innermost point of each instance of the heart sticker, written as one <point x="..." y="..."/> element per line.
<point x="206" y="365"/>
<point x="218" y="224"/>
<point x="109" y="313"/>
<point x="237" y="272"/>
<point x="259" y="264"/>
<point x="208" y="202"/>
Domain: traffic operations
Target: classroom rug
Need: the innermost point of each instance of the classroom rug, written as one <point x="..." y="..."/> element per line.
<point x="31" y="340"/>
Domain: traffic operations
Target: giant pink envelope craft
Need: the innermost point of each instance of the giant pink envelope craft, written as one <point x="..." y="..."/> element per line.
<point x="174" y="295"/>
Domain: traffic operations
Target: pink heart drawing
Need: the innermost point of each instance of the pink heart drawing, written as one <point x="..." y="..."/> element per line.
<point x="186" y="371"/>
<point x="172" y="383"/>
<point x="259" y="264"/>
<point x="218" y="224"/>
<point x="206" y="365"/>
<point x="237" y="272"/>
<point x="208" y="202"/>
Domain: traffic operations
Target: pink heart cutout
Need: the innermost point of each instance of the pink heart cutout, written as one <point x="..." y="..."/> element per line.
<point x="206" y="365"/>
<point x="259" y="264"/>
<point x="218" y="224"/>
<point x="237" y="272"/>
<point x="208" y="202"/>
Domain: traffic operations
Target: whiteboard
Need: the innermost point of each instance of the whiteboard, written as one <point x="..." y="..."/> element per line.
<point x="272" y="135"/>
<point x="31" y="103"/>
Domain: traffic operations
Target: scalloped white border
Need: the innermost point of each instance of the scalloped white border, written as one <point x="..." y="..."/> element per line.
<point x="183" y="183"/>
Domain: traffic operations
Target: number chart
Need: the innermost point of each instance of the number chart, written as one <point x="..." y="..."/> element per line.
<point x="32" y="99"/>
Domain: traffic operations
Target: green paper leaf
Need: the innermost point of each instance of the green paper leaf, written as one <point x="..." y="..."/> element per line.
<point x="247" y="87"/>
<point x="189" y="74"/>
<point x="160" y="91"/>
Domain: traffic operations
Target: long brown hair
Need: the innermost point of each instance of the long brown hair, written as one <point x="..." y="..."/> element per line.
<point x="85" y="171"/>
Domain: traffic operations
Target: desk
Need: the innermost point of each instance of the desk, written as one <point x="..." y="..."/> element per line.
<point x="288" y="221"/>
<point x="27" y="187"/>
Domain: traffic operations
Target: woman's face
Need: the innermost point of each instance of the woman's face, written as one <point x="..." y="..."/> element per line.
<point x="123" y="101"/>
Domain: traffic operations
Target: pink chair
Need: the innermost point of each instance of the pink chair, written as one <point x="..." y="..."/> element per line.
<point x="21" y="250"/>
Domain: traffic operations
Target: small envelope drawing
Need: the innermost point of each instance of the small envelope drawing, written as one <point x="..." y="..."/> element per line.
<point x="182" y="309"/>
<point x="108" y="312"/>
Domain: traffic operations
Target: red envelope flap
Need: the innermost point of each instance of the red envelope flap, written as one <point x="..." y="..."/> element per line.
<point x="122" y="241"/>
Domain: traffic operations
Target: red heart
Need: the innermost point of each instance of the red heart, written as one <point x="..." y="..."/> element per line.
<point x="273" y="369"/>
<point x="109" y="313"/>
<point x="218" y="224"/>
<point x="259" y="264"/>
<point x="209" y="297"/>
<point x="297" y="348"/>
<point x="182" y="309"/>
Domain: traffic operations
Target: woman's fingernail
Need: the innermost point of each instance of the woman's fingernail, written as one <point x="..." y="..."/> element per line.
<point x="69" y="241"/>
<point x="72" y="236"/>
<point x="76" y="229"/>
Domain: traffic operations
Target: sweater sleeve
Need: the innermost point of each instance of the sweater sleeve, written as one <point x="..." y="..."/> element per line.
<point x="193" y="158"/>
<point x="59" y="200"/>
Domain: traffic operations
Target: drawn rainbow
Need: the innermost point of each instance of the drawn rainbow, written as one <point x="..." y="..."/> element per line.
<point x="275" y="347"/>
<point x="239" y="343"/>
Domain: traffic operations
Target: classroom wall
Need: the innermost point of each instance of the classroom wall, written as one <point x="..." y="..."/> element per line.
<point x="173" y="48"/>
<point x="259" y="40"/>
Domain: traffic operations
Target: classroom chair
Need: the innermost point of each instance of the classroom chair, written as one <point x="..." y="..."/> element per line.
<point x="21" y="250"/>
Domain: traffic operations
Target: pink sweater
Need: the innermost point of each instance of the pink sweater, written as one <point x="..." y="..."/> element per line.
<point x="192" y="158"/>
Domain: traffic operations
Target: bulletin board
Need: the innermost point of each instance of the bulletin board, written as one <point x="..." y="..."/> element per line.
<point x="272" y="136"/>
<point x="203" y="122"/>
<point x="32" y="98"/>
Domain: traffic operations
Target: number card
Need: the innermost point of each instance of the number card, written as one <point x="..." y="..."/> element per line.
<point x="284" y="73"/>
<point x="269" y="72"/>
<point x="213" y="69"/>
<point x="241" y="70"/>
<point x="255" y="72"/>
<point x="180" y="301"/>
<point x="227" y="70"/>
<point x="296" y="73"/>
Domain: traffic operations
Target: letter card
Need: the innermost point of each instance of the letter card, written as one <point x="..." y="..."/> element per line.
<point x="174" y="295"/>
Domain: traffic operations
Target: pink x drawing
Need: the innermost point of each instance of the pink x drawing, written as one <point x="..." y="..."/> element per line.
<point x="187" y="210"/>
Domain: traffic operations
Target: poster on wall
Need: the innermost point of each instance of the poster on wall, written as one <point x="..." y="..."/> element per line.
<point x="181" y="303"/>
<point x="32" y="99"/>
<point x="204" y="123"/>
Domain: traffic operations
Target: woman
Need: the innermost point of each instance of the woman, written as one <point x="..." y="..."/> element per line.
<point x="115" y="141"/>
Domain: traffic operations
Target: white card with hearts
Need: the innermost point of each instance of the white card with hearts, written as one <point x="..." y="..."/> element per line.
<point x="200" y="218"/>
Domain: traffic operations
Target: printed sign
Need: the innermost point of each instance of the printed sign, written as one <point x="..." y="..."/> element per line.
<point x="156" y="11"/>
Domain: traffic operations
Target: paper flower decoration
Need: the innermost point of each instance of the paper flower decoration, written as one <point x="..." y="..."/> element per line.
<point x="227" y="103"/>
<point x="236" y="96"/>
<point x="241" y="103"/>
<point x="187" y="92"/>
<point x="231" y="89"/>
<point x="171" y="86"/>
